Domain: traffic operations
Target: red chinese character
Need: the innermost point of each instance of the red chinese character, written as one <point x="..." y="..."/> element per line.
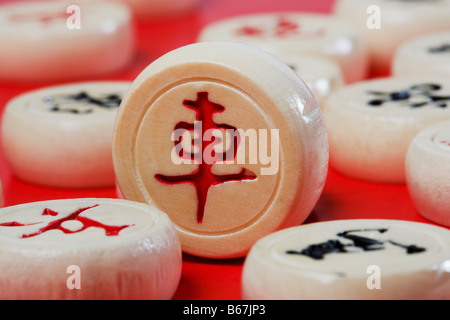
<point x="74" y="216"/>
<point x="283" y="28"/>
<point x="202" y="178"/>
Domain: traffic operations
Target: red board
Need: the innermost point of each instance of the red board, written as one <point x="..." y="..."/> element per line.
<point x="343" y="198"/>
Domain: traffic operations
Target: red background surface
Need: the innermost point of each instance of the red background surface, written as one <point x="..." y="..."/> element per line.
<point x="343" y="198"/>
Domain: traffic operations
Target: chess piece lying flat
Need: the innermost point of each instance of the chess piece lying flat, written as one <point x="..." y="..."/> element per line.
<point x="426" y="55"/>
<point x="372" y="123"/>
<point x="292" y="33"/>
<point x="387" y="24"/>
<point x="427" y="172"/>
<point x="61" y="136"/>
<point x="350" y="260"/>
<point x="50" y="41"/>
<point x="88" y="249"/>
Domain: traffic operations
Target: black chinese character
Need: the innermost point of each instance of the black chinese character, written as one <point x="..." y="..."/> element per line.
<point x="319" y="250"/>
<point x="415" y="97"/>
<point x="86" y="102"/>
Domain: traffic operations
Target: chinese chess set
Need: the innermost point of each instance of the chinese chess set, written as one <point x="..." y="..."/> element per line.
<point x="220" y="149"/>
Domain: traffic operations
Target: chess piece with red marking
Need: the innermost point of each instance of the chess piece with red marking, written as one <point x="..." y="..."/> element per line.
<point x="227" y="140"/>
<point x="296" y="34"/>
<point x="88" y="249"/>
